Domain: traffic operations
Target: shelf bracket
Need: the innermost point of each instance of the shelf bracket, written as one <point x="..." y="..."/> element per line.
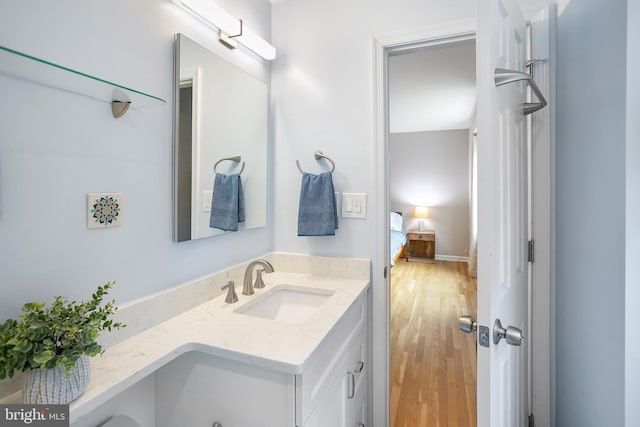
<point x="118" y="108"/>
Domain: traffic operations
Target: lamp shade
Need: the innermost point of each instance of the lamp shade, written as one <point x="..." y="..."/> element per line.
<point x="421" y="212"/>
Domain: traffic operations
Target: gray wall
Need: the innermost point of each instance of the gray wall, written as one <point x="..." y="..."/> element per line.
<point x="632" y="294"/>
<point x="432" y="169"/>
<point x="590" y="213"/>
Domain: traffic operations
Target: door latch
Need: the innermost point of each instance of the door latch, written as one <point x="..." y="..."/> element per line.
<point x="467" y="324"/>
<point x="483" y="335"/>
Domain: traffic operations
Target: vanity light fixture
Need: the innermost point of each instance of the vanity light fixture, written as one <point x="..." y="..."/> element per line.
<point x="230" y="29"/>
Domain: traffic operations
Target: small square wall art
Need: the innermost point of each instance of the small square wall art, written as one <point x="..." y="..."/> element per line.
<point x="104" y="210"/>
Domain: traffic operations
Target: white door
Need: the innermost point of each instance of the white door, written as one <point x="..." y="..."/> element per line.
<point x="502" y="214"/>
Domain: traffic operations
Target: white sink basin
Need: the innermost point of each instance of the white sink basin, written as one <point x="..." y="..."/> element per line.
<point x="287" y="303"/>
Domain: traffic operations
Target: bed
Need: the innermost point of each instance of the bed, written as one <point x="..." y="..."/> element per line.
<point x="397" y="237"/>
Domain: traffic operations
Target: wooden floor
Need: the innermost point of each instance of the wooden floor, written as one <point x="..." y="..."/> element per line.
<point x="433" y="364"/>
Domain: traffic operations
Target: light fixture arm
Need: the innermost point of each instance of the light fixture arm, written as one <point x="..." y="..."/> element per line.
<point x="241" y="27"/>
<point x="213" y="15"/>
<point x="229" y="40"/>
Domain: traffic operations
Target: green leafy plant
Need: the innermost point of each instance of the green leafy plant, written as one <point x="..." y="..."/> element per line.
<point x="46" y="337"/>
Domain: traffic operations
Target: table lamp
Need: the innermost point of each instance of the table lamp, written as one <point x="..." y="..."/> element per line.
<point x="421" y="212"/>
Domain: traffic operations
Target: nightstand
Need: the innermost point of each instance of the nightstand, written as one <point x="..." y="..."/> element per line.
<point x="421" y="244"/>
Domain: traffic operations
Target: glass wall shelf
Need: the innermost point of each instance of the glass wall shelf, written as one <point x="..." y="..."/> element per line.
<point x="26" y="67"/>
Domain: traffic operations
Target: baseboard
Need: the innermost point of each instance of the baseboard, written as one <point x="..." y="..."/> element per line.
<point x="452" y="258"/>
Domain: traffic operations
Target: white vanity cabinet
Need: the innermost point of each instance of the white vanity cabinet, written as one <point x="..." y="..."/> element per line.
<point x="198" y="389"/>
<point x="332" y="390"/>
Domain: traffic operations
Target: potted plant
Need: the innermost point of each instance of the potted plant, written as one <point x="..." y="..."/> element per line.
<point x="52" y="346"/>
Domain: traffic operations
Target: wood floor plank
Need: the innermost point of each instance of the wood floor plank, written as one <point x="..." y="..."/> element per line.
<point x="433" y="364"/>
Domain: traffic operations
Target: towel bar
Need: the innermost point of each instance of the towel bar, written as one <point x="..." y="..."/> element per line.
<point x="234" y="158"/>
<point x="319" y="155"/>
<point x="503" y="77"/>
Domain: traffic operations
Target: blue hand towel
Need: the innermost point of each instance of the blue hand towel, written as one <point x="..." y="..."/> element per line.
<point x="227" y="202"/>
<point x="317" y="213"/>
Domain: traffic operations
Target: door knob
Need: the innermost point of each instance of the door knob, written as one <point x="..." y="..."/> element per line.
<point x="511" y="334"/>
<point x="467" y="324"/>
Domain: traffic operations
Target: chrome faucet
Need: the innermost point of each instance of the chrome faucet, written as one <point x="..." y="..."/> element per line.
<point x="231" y="293"/>
<point x="247" y="287"/>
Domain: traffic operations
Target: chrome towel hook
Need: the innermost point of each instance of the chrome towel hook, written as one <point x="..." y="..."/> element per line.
<point x="234" y="158"/>
<point x="319" y="155"/>
<point x="503" y="77"/>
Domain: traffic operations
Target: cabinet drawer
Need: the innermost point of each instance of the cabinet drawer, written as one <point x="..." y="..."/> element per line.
<point x="331" y="360"/>
<point x="423" y="237"/>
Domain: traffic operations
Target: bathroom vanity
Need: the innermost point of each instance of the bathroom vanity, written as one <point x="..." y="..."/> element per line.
<point x="260" y="361"/>
<point x="329" y="391"/>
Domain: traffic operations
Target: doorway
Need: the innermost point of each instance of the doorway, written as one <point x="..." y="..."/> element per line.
<point x="431" y="108"/>
<point x="542" y="21"/>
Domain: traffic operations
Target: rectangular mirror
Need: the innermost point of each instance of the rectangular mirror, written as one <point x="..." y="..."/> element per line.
<point x="221" y="111"/>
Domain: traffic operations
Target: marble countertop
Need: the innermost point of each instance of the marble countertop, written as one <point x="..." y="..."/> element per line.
<point x="213" y="328"/>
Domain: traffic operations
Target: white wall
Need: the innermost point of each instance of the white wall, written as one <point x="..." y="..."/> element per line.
<point x="55" y="147"/>
<point x="632" y="290"/>
<point x="432" y="169"/>
<point x="590" y="213"/>
<point x="322" y="98"/>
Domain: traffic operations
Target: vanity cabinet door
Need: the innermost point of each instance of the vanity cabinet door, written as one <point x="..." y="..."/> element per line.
<point x="325" y="373"/>
<point x="356" y="413"/>
<point x="329" y="410"/>
<point x="341" y="401"/>
<point x="355" y="384"/>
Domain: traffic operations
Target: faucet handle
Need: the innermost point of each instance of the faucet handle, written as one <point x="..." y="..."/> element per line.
<point x="259" y="282"/>
<point x="231" y="293"/>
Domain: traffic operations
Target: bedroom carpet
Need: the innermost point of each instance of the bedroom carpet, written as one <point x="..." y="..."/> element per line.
<point x="433" y="364"/>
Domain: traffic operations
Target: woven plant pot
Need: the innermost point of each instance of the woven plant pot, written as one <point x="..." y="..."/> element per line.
<point x="53" y="386"/>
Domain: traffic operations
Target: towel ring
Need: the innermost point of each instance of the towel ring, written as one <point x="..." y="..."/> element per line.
<point x="234" y="158"/>
<point x="319" y="155"/>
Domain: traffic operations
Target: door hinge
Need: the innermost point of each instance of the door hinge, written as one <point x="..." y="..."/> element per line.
<point x="531" y="249"/>
<point x="385" y="271"/>
<point x="531" y="421"/>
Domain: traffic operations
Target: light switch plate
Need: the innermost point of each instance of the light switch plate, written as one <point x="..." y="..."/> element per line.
<point x="354" y="205"/>
<point x="206" y="201"/>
